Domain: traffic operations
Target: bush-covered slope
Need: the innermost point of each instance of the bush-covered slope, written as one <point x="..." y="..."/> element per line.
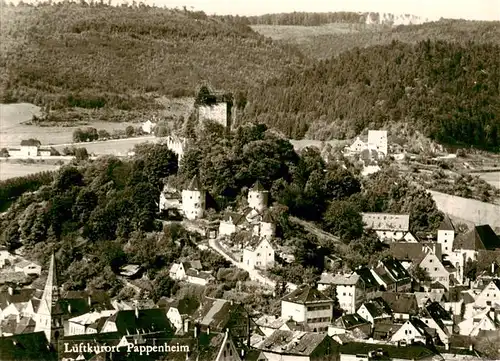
<point x="328" y="40"/>
<point x="448" y="91"/>
<point x="71" y="54"/>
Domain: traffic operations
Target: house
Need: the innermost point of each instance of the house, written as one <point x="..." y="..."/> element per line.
<point x="356" y="147"/>
<point x="14" y="296"/>
<point x="436" y="317"/>
<point x="6" y="258"/>
<point x="370" y="283"/>
<point x="490" y="295"/>
<point x="30" y="148"/>
<point x="259" y="254"/>
<point x="266" y="228"/>
<point x="353" y="323"/>
<point x="91" y="322"/>
<point x="297" y="345"/>
<point x="411" y="254"/>
<point x="438" y="272"/>
<point x="402" y="305"/>
<point x="383" y="331"/>
<point x="358" y="351"/>
<point x="269" y="324"/>
<point x="375" y="311"/>
<point x="391" y="274"/>
<point x="258" y="197"/>
<point x="137" y="322"/>
<point x="427" y="297"/>
<point x="190" y="272"/>
<point x="349" y="289"/>
<point x="414" y="330"/>
<point x="28" y="268"/>
<point x="487" y="320"/>
<point x="216" y="315"/>
<point x="170" y="198"/>
<point x="131" y="271"/>
<point x="179" y="311"/>
<point x="446" y="234"/>
<point x="377" y="140"/>
<point x="388" y="227"/>
<point x="307" y="304"/>
<point x="197" y="277"/>
<point x="16" y="324"/>
<point x="231" y="223"/>
<point x="477" y="239"/>
<point x="148" y="126"/>
<point x="193" y="200"/>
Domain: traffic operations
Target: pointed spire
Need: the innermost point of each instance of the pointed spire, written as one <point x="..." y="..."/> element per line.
<point x="194" y="185"/>
<point x="257" y="187"/>
<point x="51" y="290"/>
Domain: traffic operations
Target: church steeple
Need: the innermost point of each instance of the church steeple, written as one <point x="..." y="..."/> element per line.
<point x="51" y="291"/>
<point x="49" y="314"/>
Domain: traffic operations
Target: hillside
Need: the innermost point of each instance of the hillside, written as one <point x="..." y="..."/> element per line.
<point x="448" y="91"/>
<point x="330" y="39"/>
<point x="96" y="56"/>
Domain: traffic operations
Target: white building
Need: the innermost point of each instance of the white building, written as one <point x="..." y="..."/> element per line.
<point x="377" y="140"/>
<point x="310" y="306"/>
<point x="170" y="198"/>
<point x="438" y="272"/>
<point x="148" y="126"/>
<point x="348" y="289"/>
<point x="193" y="200"/>
<point x="28" y="268"/>
<point x="30" y="148"/>
<point x="6" y="258"/>
<point x="375" y="311"/>
<point x="82" y="325"/>
<point x="178" y="145"/>
<point x="412" y="331"/>
<point x="230" y="223"/>
<point x="266" y="227"/>
<point x="258" y="197"/>
<point x="269" y="324"/>
<point x="388" y="227"/>
<point x="190" y="272"/>
<point x="259" y="255"/>
<point x="487" y="320"/>
<point x="490" y="295"/>
<point x="446" y="235"/>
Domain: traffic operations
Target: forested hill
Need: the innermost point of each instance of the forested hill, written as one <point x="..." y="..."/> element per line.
<point x="448" y="91"/>
<point x="100" y="56"/>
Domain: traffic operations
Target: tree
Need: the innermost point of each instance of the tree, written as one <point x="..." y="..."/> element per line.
<point x="130" y="131"/>
<point x="81" y="154"/>
<point x="421" y="275"/>
<point x="103" y="134"/>
<point x="343" y="220"/>
<point x="163" y="286"/>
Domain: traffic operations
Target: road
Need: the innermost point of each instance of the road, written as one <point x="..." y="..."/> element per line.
<point x="311" y="228"/>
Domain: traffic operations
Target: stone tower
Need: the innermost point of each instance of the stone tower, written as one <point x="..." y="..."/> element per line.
<point x="193" y="200"/>
<point x="49" y="317"/>
<point x="258" y="197"/>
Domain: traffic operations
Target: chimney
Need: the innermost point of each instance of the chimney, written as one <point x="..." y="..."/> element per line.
<point x="492" y="268"/>
<point x="69" y="308"/>
<point x="195" y="331"/>
<point x="10" y="290"/>
<point x="447" y="346"/>
<point x="208" y="330"/>
<point x="136" y="311"/>
<point x="471" y="347"/>
<point x="18" y="318"/>
<point x="186" y="325"/>
<point x="89" y="300"/>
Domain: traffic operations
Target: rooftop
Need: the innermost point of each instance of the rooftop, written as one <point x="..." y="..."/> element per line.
<point x="401" y="302"/>
<point x="306" y="294"/>
<point x="297" y="343"/>
<point x="387" y="222"/>
<point x="340" y="279"/>
<point x="479" y="238"/>
<point x="30" y="143"/>
<point x="412" y="352"/>
<point x="257" y="187"/>
<point x="350" y="321"/>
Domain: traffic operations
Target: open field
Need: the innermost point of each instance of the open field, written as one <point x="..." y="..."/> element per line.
<point x="118" y="147"/>
<point x="301" y="33"/>
<point x="12" y="170"/>
<point x="492" y="178"/>
<point x="13" y="129"/>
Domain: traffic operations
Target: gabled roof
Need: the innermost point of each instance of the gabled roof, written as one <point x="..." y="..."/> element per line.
<point x="386" y="221"/>
<point x="234" y="218"/>
<point x="267" y="217"/>
<point x="411" y="352"/>
<point x="18" y="296"/>
<point x="350" y="321"/>
<point x="384" y="330"/>
<point x="306" y="294"/>
<point x="405" y="303"/>
<point x="257" y="187"/>
<point x="150" y="320"/>
<point x="424" y="297"/>
<point x="194" y="185"/>
<point x="26" y="346"/>
<point x="367" y="277"/>
<point x="378" y="308"/>
<point x="478" y="238"/>
<point x="270" y="322"/>
<point x="409" y="251"/>
<point x="199" y="274"/>
<point x="293" y="342"/>
<point x="217" y="313"/>
<point x="340" y="279"/>
<point x="192" y="264"/>
<point x="446" y="224"/>
<point x="14" y="326"/>
<point x="395" y="269"/>
<point x="30" y="143"/>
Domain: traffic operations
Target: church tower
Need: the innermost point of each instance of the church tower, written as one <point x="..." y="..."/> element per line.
<point x="49" y="315"/>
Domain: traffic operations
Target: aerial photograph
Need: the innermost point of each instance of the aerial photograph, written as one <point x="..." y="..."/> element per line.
<point x="232" y="180"/>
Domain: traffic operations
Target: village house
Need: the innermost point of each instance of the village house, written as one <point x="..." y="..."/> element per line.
<point x="403" y="305"/>
<point x="297" y="345"/>
<point x="389" y="227"/>
<point x="490" y="295"/>
<point x="375" y="311"/>
<point x="193" y="200"/>
<point x="446" y="235"/>
<point x="411" y="255"/>
<point x="268" y="324"/>
<point x="486" y="320"/>
<point x="190" y="272"/>
<point x="436" y="317"/>
<point x="308" y="305"/>
<point x="231" y="223"/>
<point x="88" y="323"/>
<point x="179" y="311"/>
<point x="30" y="148"/>
<point x="438" y="271"/>
<point x="148" y="126"/>
<point x="349" y="289"/>
<point x="383" y="331"/>
<point x="358" y="351"/>
<point x="170" y="199"/>
<point x="370" y="283"/>
<point x="266" y="228"/>
<point x="131" y="271"/>
<point x="28" y="268"/>
<point x="392" y="276"/>
<point x="258" y="197"/>
<point x="377" y="141"/>
<point x="480" y="238"/>
<point x="259" y="254"/>
<point x="350" y="323"/>
<point x="414" y="330"/>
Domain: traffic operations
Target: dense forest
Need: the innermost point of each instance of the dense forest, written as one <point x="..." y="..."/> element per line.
<point x="95" y="56"/>
<point x="450" y="92"/>
<point x="103" y="213"/>
<point x="300" y="18"/>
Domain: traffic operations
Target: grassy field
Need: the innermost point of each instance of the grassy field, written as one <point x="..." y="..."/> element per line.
<point x="12" y="170"/>
<point x="492" y="178"/>
<point x="13" y="127"/>
<point x="302" y="33"/>
<point x="118" y="147"/>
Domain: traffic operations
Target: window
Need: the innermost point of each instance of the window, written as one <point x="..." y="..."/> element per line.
<point x="435" y="269"/>
<point x="258" y="254"/>
<point x="430" y="261"/>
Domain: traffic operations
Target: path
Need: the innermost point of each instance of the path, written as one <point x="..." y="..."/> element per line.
<point x="315" y="230"/>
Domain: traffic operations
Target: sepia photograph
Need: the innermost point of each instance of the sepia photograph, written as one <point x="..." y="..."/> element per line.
<point x="230" y="180"/>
